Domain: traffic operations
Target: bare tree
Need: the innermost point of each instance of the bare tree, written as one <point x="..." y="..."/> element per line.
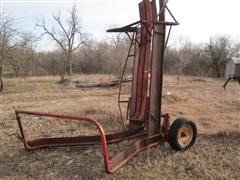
<point x="184" y="55"/>
<point x="68" y="36"/>
<point x="27" y="45"/>
<point x="171" y="62"/>
<point x="7" y="43"/>
<point x="119" y="44"/>
<point x="218" y="51"/>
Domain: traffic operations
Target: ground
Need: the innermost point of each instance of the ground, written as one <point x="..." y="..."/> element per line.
<point x="215" y="155"/>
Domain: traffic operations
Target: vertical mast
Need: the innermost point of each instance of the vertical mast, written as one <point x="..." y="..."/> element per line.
<point x="156" y="81"/>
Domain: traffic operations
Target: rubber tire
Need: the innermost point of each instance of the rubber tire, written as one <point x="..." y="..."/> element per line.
<point x="173" y="132"/>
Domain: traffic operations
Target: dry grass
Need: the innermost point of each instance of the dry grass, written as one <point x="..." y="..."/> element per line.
<point x="216" y="112"/>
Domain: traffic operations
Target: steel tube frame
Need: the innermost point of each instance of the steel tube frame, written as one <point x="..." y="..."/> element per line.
<point x="47" y="142"/>
<point x="145" y="117"/>
<point x="79" y="140"/>
<point x="67" y="117"/>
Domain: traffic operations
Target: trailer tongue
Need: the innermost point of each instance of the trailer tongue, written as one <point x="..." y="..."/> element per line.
<point x="146" y="121"/>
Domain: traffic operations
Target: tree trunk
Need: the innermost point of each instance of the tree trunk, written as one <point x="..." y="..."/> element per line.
<point x="36" y="68"/>
<point x="1" y="78"/>
<point x="62" y="72"/>
<point x="70" y="67"/>
<point x="16" y="69"/>
<point x="217" y="69"/>
<point x="69" y="60"/>
<point x="62" y="77"/>
<point x="218" y="72"/>
<point x="179" y="73"/>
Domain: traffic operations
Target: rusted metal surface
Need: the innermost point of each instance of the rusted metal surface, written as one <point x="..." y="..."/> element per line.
<point x="134" y="74"/>
<point x="110" y="165"/>
<point x="165" y="126"/>
<point x="158" y="47"/>
<point x="35" y="144"/>
<point x="79" y="140"/>
<point x="141" y="55"/>
<point x="141" y="63"/>
<point x="144" y="59"/>
<point x="122" y="158"/>
<point x="144" y="105"/>
<point x="128" y="28"/>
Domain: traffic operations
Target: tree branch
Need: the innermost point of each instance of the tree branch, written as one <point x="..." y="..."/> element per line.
<point x="46" y="31"/>
<point x="58" y="20"/>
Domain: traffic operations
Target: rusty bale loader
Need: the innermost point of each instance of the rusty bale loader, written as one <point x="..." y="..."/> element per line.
<point x="146" y="121"/>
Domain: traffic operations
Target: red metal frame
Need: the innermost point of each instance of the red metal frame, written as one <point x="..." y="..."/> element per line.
<point x="79" y="140"/>
<point x="110" y="165"/>
<point x="144" y="113"/>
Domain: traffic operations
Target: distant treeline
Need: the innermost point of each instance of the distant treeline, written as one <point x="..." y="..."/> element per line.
<point x="108" y="57"/>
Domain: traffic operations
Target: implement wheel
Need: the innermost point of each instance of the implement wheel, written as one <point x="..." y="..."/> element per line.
<point x="182" y="134"/>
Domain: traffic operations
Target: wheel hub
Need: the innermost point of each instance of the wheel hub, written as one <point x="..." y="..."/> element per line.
<point x="185" y="135"/>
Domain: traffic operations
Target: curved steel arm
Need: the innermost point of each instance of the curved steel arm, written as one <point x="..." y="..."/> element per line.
<point x="67" y="117"/>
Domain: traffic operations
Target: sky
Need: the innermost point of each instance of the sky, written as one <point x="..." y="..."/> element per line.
<point x="199" y="19"/>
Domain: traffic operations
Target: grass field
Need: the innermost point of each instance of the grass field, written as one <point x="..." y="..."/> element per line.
<point x="216" y="154"/>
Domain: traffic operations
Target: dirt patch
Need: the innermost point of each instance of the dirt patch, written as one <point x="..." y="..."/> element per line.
<point x="170" y="98"/>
